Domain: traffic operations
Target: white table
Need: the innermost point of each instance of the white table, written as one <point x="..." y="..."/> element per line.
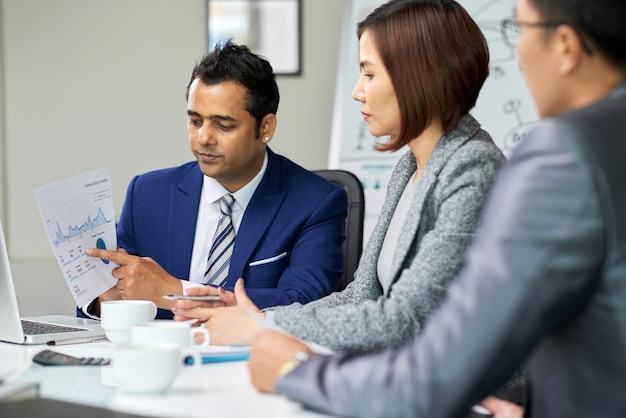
<point x="211" y="390"/>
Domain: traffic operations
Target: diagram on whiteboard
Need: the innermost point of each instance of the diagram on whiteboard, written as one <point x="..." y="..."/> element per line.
<point x="505" y="107"/>
<point x="78" y="213"/>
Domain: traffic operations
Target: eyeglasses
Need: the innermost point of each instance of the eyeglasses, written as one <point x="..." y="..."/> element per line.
<point x="512" y="29"/>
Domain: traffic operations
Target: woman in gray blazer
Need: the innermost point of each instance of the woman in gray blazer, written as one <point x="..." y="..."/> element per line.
<point x="415" y="250"/>
<point x="435" y="196"/>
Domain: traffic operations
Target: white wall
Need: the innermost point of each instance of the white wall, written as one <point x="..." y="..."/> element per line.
<point x="87" y="84"/>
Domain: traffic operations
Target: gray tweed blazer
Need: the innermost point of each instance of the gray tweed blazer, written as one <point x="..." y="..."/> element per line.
<point x="444" y="212"/>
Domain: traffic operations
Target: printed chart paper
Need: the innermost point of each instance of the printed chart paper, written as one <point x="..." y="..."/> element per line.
<point x="78" y="213"/>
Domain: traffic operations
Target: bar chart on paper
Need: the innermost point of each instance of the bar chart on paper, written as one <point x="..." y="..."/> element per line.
<point x="78" y="213"/>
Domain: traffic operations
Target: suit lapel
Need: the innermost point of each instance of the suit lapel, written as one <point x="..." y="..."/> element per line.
<point x="183" y="207"/>
<point x="446" y="147"/>
<point x="259" y="215"/>
<point x="399" y="178"/>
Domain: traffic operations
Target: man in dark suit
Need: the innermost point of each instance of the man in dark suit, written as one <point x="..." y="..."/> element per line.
<point x="545" y="279"/>
<point x="289" y="222"/>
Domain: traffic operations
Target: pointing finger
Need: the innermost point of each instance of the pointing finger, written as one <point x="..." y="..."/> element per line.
<point x="111" y="255"/>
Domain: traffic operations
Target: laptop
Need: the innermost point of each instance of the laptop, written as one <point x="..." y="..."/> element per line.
<point x="48" y="329"/>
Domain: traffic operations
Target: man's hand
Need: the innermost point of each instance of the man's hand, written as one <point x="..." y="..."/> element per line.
<point x="111" y="294"/>
<point x="501" y="408"/>
<point x="140" y="277"/>
<point x="270" y="349"/>
<point x="230" y="325"/>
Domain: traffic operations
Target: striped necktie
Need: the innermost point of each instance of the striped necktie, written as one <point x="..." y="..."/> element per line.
<point x="223" y="242"/>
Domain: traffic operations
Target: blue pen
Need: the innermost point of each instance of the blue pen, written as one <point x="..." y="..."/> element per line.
<point x="217" y="357"/>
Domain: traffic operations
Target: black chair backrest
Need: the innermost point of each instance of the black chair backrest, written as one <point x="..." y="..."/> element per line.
<point x="353" y="246"/>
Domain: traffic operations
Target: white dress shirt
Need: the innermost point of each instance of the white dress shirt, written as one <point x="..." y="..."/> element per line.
<point x="208" y="216"/>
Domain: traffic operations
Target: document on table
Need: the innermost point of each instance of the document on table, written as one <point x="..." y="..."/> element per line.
<point x="78" y="213"/>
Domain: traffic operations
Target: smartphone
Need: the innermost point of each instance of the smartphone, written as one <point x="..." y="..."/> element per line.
<point x="210" y="298"/>
<point x="53" y="358"/>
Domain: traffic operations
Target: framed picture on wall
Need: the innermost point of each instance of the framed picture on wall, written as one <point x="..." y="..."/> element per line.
<point x="270" y="28"/>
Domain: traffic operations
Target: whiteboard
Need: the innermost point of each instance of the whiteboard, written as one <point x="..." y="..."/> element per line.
<point x="504" y="108"/>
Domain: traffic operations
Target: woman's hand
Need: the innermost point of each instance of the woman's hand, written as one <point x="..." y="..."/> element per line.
<point x="228" y="325"/>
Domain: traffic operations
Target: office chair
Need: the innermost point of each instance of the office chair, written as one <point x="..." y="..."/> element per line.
<point x="354" y="222"/>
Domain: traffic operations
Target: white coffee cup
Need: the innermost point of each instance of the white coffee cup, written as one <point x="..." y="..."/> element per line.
<point x="146" y="369"/>
<point x="118" y="317"/>
<point x="181" y="334"/>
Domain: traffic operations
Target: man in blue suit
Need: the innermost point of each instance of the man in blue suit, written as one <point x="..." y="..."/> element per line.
<point x="289" y="222"/>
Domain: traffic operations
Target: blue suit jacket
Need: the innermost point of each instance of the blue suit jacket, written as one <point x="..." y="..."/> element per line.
<point x="293" y="210"/>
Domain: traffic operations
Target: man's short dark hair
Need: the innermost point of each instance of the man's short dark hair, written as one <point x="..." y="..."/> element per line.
<point x="231" y="62"/>
<point x="601" y="24"/>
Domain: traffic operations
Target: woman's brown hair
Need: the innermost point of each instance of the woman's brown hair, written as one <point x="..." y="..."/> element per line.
<point x="436" y="57"/>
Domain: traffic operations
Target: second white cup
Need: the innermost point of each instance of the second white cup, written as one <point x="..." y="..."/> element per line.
<point x="145" y="369"/>
<point x="167" y="331"/>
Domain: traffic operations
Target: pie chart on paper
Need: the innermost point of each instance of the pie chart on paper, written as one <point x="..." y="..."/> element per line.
<point x="100" y="244"/>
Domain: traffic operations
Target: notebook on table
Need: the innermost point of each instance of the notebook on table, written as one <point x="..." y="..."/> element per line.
<point x="40" y="329"/>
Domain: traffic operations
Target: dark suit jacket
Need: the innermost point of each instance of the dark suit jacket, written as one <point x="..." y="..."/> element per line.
<point x="545" y="280"/>
<point x="293" y="210"/>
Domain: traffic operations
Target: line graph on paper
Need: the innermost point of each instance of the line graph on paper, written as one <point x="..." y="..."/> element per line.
<point x="63" y="237"/>
<point x="73" y="231"/>
<point x="78" y="213"/>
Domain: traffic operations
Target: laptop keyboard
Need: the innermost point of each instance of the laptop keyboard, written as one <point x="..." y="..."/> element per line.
<point x="35" y="328"/>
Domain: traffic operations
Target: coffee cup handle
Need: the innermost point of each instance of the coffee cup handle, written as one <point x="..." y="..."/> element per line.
<point x="154" y="310"/>
<point x="200" y="330"/>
